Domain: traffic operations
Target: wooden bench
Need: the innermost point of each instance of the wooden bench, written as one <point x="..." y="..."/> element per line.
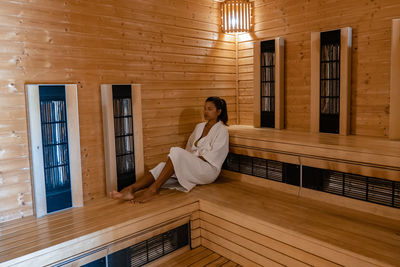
<point x="247" y="224"/>
<point x="248" y="220"/>
<point x="369" y="156"/>
<point x="69" y="234"/>
<point x="255" y="225"/>
<point x="369" y="164"/>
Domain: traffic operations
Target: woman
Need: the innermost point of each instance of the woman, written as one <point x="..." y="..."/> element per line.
<point x="199" y="163"/>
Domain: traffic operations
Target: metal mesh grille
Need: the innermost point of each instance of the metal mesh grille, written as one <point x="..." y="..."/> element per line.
<point x="396" y="195"/>
<point x="268" y="169"/>
<point x="124" y="139"/>
<point x="138" y="254"/>
<point x="355" y="186"/>
<point x="54" y="128"/>
<point x="246" y="165"/>
<point x="330" y="81"/>
<point x="169" y="242"/>
<point x="267" y="84"/>
<point x="260" y="167"/>
<point x="155" y="247"/>
<point x="333" y="183"/>
<point x="232" y="162"/>
<point x="380" y="191"/>
<point x="274" y="170"/>
<point x="151" y="249"/>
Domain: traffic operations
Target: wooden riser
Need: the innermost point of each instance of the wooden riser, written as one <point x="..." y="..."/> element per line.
<point x="271" y="249"/>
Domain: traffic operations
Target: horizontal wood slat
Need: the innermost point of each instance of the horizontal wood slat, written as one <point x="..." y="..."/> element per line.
<point x="253" y="225"/>
<point x="172" y="48"/>
<point x="104" y="221"/>
<point x="370" y="57"/>
<point x="332" y="233"/>
<point x="380" y="158"/>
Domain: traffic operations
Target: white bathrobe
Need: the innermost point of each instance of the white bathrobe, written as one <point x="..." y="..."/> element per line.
<point x="190" y="170"/>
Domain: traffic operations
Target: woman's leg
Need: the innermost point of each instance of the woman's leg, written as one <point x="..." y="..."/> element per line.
<point x="128" y="192"/>
<point x="154" y="188"/>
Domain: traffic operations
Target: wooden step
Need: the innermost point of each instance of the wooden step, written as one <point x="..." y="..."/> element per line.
<point x="244" y="223"/>
<point x="370" y="156"/>
<point x="68" y="233"/>
<point x="305" y="230"/>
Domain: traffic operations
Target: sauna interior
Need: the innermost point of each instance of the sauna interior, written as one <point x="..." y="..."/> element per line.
<point x="93" y="94"/>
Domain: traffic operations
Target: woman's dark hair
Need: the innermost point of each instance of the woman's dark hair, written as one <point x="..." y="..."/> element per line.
<point x="220" y="104"/>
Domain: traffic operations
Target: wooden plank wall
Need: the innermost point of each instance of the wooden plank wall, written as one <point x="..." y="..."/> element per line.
<point x="295" y="20"/>
<point x="172" y="47"/>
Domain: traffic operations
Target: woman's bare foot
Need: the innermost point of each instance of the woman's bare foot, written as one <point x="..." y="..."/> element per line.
<point x="128" y="193"/>
<point x="147" y="195"/>
<point x="115" y="194"/>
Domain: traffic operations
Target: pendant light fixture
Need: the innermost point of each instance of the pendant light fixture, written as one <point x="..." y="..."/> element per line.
<point x="236" y="16"/>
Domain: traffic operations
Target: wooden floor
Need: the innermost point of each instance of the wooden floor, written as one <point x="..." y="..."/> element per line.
<point x="197" y="257"/>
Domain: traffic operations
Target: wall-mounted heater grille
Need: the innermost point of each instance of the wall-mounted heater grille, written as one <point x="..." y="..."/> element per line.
<point x="267" y="80"/>
<point x="53" y="116"/>
<point x="376" y="190"/>
<point x="123" y="129"/>
<point x="330" y="82"/>
<point x="54" y="147"/>
<point x="147" y="250"/>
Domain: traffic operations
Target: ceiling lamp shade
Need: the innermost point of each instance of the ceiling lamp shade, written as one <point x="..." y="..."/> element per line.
<point x="236" y="16"/>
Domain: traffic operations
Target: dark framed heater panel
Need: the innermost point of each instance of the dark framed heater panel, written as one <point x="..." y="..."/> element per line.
<point x="267" y="84"/>
<point x="54" y="128"/>
<point x="124" y="135"/>
<point x="330" y="82"/>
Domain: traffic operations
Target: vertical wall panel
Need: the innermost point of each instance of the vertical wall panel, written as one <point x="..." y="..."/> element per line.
<point x="394" y="117"/>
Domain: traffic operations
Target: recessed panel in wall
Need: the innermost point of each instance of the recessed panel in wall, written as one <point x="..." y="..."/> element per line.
<point x="122" y="126"/>
<point x="269" y="83"/>
<point x="124" y="139"/>
<point x="55" y="147"/>
<point x="329" y="82"/>
<point x="267" y="80"/>
<point x="53" y="117"/>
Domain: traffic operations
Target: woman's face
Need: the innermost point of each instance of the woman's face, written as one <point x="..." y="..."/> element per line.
<point x="210" y="111"/>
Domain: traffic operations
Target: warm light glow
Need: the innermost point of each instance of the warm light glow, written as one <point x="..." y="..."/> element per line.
<point x="236" y="16"/>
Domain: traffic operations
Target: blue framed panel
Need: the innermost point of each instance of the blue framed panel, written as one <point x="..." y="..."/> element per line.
<point x="53" y="117"/>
